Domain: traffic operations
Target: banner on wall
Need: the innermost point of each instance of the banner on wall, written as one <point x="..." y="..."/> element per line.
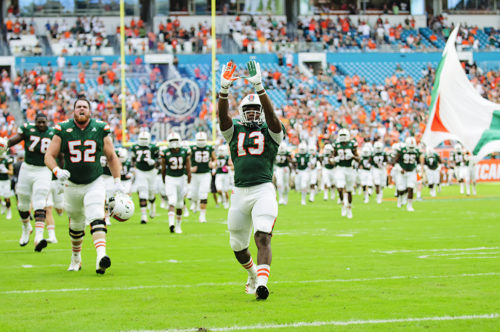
<point x="488" y="170"/>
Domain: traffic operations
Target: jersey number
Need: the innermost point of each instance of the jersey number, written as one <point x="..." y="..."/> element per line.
<point x="409" y="158"/>
<point x="144" y="154"/>
<point x="258" y="140"/>
<point x="201" y="157"/>
<point x="43" y="146"/>
<point x="176" y="163"/>
<point x="76" y="153"/>
<point x="345" y="154"/>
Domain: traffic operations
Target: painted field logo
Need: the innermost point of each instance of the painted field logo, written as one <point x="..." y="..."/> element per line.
<point x="178" y="97"/>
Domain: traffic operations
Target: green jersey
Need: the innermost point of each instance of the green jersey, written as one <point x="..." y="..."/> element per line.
<point x="459" y="158"/>
<point x="82" y="149"/>
<point x="200" y="157"/>
<point x="253" y="152"/>
<point x="432" y="160"/>
<point x="222" y="165"/>
<point x="175" y="161"/>
<point x="282" y="160"/>
<point x="302" y="160"/>
<point x="327" y="161"/>
<point x="345" y="151"/>
<point x="365" y="162"/>
<point x="125" y="173"/>
<point x="378" y="159"/>
<point x="36" y="143"/>
<point x="142" y="154"/>
<point x="408" y="158"/>
<point x="4" y="167"/>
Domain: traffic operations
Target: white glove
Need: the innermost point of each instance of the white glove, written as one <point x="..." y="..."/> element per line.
<point x="103" y="161"/>
<point x="150" y="162"/>
<point x="226" y="76"/>
<point x="3" y="144"/>
<point x="61" y="174"/>
<point x="336" y="159"/>
<point x="254" y="75"/>
<point x="118" y="186"/>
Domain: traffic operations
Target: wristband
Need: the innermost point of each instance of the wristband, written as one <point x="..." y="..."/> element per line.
<point x="224" y="89"/>
<point x="117" y="180"/>
<point x="258" y="86"/>
<point x="261" y="92"/>
<point x="56" y="170"/>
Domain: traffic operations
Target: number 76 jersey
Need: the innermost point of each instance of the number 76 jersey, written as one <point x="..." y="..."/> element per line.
<point x="36" y="143"/>
<point x="82" y="149"/>
<point x="253" y="152"/>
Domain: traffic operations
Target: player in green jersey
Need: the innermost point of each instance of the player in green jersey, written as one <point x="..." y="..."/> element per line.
<point x="202" y="157"/>
<point x="175" y="161"/>
<point x="253" y="141"/>
<point x="345" y="153"/>
<point x="313" y="171"/>
<point x="301" y="161"/>
<point x="144" y="159"/>
<point x="328" y="171"/>
<point x="365" y="174"/>
<point x="282" y="173"/>
<point x="83" y="141"/>
<point x="460" y="163"/>
<point x="432" y="168"/>
<point x="126" y="173"/>
<point x="6" y="171"/>
<point x="222" y="176"/>
<point x="34" y="178"/>
<point x="407" y="157"/>
<point x="379" y="172"/>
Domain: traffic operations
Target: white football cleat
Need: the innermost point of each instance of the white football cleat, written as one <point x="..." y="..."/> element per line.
<point x="52" y="239"/>
<point x="202" y="220"/>
<point x="409" y="208"/>
<point x="76" y="263"/>
<point x="251" y="285"/>
<point x="349" y="213"/>
<point x="186" y="212"/>
<point x="178" y="228"/>
<point x="25" y="235"/>
<point x="344" y="211"/>
<point x="9" y="214"/>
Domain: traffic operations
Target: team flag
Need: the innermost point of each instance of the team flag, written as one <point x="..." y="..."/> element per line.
<point x="458" y="111"/>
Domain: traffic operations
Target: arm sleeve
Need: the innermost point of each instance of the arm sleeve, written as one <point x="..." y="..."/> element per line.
<point x="228" y="134"/>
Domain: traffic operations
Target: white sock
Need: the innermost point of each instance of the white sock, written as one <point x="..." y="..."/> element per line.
<point x="203" y="213"/>
<point x="39" y="227"/>
<point x="461" y="187"/>
<point x="419" y="194"/>
<point x="251" y="268"/>
<point x="51" y="230"/>
<point x="144" y="215"/>
<point x="100" y="247"/>
<point x="263" y="271"/>
<point x="325" y="194"/>
<point x="304" y="194"/>
<point x="171" y="218"/>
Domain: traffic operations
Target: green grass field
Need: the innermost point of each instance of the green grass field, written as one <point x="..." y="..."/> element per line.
<point x="386" y="269"/>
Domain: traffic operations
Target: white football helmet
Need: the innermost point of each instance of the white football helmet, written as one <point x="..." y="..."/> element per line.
<point x="366" y="151"/>
<point x="411" y="143"/>
<point x="328" y="149"/>
<point x="282" y="148"/>
<point x="201" y="139"/>
<point x="458" y="147"/>
<point x="122" y="154"/>
<point x="174" y="140"/>
<point x="248" y="101"/>
<point x="344" y="135"/>
<point x="144" y="138"/>
<point x="312" y="150"/>
<point x="121" y="207"/>
<point x="302" y="148"/>
<point x="222" y="150"/>
<point x="378" y="147"/>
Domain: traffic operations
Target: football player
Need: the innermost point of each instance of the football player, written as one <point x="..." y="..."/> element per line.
<point x="379" y="172"/>
<point x="282" y="173"/>
<point x="202" y="158"/>
<point x="107" y="178"/>
<point x="55" y="199"/>
<point x="254" y="140"/>
<point x="313" y="172"/>
<point x="345" y="153"/>
<point x="301" y="160"/>
<point x="328" y="172"/>
<point x="175" y="162"/>
<point x="34" y="178"/>
<point x="126" y="173"/>
<point x="408" y="157"/>
<point x="144" y="156"/>
<point x="222" y="180"/>
<point x="83" y="141"/>
<point x="471" y="170"/>
<point x="432" y="166"/>
<point x="6" y="171"/>
<point x="461" y="164"/>
<point x="365" y="166"/>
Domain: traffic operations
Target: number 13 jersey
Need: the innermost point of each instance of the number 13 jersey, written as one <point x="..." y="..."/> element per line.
<point x="253" y="151"/>
<point x="82" y="149"/>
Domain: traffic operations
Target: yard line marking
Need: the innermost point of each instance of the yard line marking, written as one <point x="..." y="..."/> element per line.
<point x="431" y="250"/>
<point x="475" y="257"/>
<point x="461" y="254"/>
<point x="338" y="323"/>
<point x="212" y="284"/>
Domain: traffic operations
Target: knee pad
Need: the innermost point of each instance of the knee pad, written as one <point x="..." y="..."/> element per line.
<point x="152" y="200"/>
<point x="98" y="226"/>
<point x="76" y="234"/>
<point x="142" y="202"/>
<point x="24" y="214"/>
<point x="238" y="243"/>
<point x="40" y="214"/>
<point x="203" y="201"/>
<point x="23" y="202"/>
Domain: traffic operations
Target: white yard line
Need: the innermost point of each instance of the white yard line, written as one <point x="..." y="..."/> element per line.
<point x="432" y="250"/>
<point x="220" y="284"/>
<point x="461" y="254"/>
<point x="340" y="323"/>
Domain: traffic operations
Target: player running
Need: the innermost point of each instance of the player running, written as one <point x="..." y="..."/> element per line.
<point x="365" y="166"/>
<point x="254" y="144"/>
<point x="432" y="166"/>
<point x="407" y="157"/>
<point x="461" y="164"/>
<point x="282" y="173"/>
<point x="379" y="171"/>
<point x="302" y="162"/>
<point x="222" y="177"/>
<point x="6" y="171"/>
<point x="328" y="172"/>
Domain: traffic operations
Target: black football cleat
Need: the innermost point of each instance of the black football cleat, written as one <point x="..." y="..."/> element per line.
<point x="144" y="222"/>
<point x="262" y="292"/>
<point x="40" y="245"/>
<point x="104" y="263"/>
<point x="172" y="228"/>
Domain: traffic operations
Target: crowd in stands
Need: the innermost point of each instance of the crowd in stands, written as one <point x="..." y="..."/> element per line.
<point x="86" y="36"/>
<point x="172" y="37"/>
<point x="21" y="36"/>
